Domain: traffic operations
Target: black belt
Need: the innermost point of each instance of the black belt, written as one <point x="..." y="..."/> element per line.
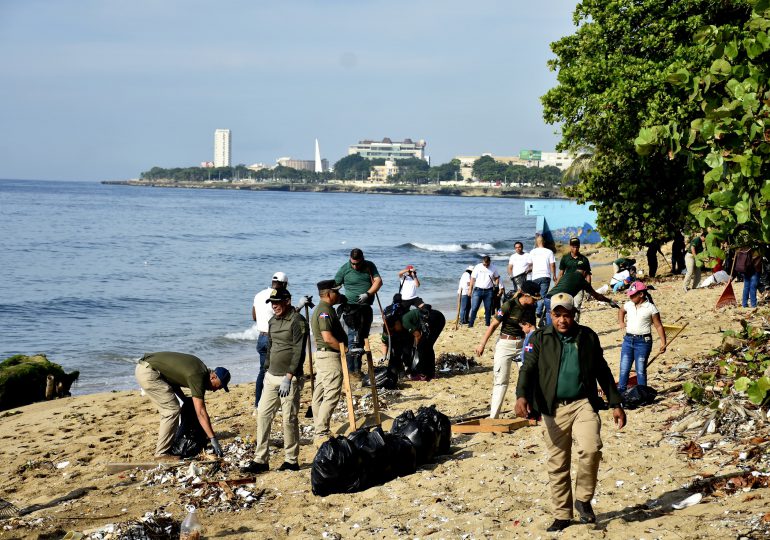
<point x="327" y="349"/>
<point x="639" y="335"/>
<point x="512" y="338"/>
<point x="568" y="401"/>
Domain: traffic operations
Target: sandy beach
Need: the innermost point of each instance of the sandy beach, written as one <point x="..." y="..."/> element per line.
<point x="490" y="486"/>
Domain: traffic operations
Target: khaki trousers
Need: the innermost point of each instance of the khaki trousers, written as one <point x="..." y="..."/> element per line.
<point x="578" y="421"/>
<point x="269" y="403"/>
<point x="328" y="386"/>
<point x="578" y="300"/>
<point x="692" y="277"/>
<point x="506" y="351"/>
<point x="161" y="393"/>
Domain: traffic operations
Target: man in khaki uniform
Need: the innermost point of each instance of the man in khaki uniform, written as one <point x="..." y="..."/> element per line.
<point x="283" y="383"/>
<point x="328" y="334"/>
<point x="162" y="375"/>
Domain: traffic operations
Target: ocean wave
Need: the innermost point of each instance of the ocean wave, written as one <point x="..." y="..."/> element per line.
<point x="250" y="334"/>
<point x="450" y="248"/>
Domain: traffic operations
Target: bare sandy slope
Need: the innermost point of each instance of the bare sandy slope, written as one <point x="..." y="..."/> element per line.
<point x="491" y="486"/>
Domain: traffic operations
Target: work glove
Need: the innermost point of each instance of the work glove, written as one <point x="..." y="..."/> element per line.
<point x="363" y="298"/>
<point x="306" y="301"/>
<point x="614" y="304"/>
<point x="283" y="390"/>
<point x="215" y="445"/>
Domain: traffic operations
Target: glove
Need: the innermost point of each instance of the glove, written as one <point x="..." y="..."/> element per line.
<point x="306" y="301"/>
<point x="283" y="390"/>
<point x="363" y="298"/>
<point x="614" y="304"/>
<point x="215" y="445"/>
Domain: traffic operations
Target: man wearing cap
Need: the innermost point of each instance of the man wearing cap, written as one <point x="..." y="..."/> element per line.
<point x="464" y="292"/>
<point x="408" y="287"/>
<point x="361" y="281"/>
<point x="261" y="312"/>
<point x="572" y="283"/>
<point x="543" y="270"/>
<point x="412" y="335"/>
<point x="328" y="334"/>
<point x="519" y="265"/>
<point x="561" y="371"/>
<point x="283" y="382"/>
<point x="162" y="375"/>
<point x="484" y="279"/>
<point x="569" y="262"/>
<point x="508" y="348"/>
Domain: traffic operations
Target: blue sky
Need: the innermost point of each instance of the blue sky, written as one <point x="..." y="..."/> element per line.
<point x="104" y="89"/>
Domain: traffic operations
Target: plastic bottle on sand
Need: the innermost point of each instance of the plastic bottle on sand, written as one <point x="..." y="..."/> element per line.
<point x="191" y="528"/>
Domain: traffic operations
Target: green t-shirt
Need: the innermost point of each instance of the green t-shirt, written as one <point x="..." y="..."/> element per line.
<point x="356" y="282"/>
<point x="568" y="385"/>
<point x="696" y="243"/>
<point x="570" y="283"/>
<point x="325" y="319"/>
<point x="509" y="315"/>
<point x="182" y="370"/>
<point x="411" y="320"/>
<point x="568" y="263"/>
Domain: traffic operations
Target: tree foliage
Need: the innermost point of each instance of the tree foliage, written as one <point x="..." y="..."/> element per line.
<point x="611" y="83"/>
<point x="728" y="143"/>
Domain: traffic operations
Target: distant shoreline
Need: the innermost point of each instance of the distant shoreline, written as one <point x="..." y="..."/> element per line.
<point x="386" y="189"/>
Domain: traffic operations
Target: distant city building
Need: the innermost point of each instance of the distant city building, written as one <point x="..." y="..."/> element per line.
<point x="257" y="167"/>
<point x="302" y="164"/>
<point x="387" y="149"/>
<point x="466" y="162"/>
<point x="527" y="158"/>
<point x="222" y="148"/>
<point x="562" y="160"/>
<point x="207" y="164"/>
<point x="381" y="173"/>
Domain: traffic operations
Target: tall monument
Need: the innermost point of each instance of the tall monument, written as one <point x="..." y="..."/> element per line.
<point x="318" y="165"/>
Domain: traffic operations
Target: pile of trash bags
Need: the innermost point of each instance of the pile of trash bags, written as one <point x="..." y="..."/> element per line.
<point x="638" y="396"/>
<point x="370" y="457"/>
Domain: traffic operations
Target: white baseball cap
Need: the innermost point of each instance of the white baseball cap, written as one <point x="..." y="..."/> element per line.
<point x="562" y="300"/>
<point x="280" y="276"/>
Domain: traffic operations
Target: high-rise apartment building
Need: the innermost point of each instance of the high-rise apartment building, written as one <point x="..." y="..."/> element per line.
<point x="222" y="148"/>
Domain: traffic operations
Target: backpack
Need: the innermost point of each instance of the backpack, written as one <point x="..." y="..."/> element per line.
<point x="743" y="263"/>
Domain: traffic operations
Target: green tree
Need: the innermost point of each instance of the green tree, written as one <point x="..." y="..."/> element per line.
<point x="487" y="169"/>
<point x="729" y="142"/>
<point x="611" y="83"/>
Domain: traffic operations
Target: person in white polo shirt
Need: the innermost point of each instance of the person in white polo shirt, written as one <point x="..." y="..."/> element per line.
<point x="484" y="279"/>
<point x="637" y="317"/>
<point x="543" y="270"/>
<point x="519" y="265"/>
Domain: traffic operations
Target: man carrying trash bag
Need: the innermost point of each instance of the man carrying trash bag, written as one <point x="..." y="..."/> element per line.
<point x="412" y="335"/>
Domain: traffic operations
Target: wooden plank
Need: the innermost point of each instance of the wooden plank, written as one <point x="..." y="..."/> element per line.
<point x="227" y="490"/>
<point x="234" y="481"/>
<point x="491" y="425"/>
<point x="372" y="383"/>
<point x="346" y="387"/>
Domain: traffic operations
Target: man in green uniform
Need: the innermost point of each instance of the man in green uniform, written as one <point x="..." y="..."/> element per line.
<point x="361" y="281"/>
<point x="162" y="375"/>
<point x="412" y="336"/>
<point x="508" y="349"/>
<point x="573" y="283"/>
<point x="328" y="334"/>
<point x="283" y="383"/>
<point x="691" y="262"/>
<point x="569" y="262"/>
<point x="562" y="366"/>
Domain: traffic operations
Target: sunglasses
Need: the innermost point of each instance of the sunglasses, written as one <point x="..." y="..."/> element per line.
<point x="356" y="263"/>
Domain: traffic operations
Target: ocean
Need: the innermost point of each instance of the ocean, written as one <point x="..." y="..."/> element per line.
<point x="95" y="275"/>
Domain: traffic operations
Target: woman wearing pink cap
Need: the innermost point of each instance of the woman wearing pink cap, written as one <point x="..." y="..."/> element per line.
<point x="637" y="317"/>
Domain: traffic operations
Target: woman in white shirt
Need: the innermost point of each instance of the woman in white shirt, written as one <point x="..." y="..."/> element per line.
<point x="637" y="317"/>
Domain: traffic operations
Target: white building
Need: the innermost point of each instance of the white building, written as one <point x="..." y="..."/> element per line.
<point x="222" y="148"/>
<point x="387" y="149"/>
<point x="561" y="160"/>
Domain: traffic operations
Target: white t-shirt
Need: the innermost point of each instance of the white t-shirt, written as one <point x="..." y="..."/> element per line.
<point x="465" y="280"/>
<point x="519" y="263"/>
<point x="484" y="276"/>
<point x="542" y="259"/>
<point x="263" y="310"/>
<point x="409" y="288"/>
<point x="639" y="318"/>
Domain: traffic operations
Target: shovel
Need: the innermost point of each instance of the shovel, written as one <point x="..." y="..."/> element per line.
<point x="309" y="413"/>
<point x="369" y="420"/>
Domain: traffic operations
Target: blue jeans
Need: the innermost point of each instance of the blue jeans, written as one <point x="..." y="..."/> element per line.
<point x="544" y="283"/>
<point x="465" y="308"/>
<point x="750" y="290"/>
<point x="262" y="352"/>
<point x="635" y="349"/>
<point x="481" y="295"/>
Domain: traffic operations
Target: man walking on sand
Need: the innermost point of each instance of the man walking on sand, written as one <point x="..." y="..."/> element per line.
<point x="328" y="334"/>
<point x="519" y="265"/>
<point x="561" y="371"/>
<point x="484" y="279"/>
<point x="283" y="383"/>
<point x="543" y="270"/>
<point x="162" y="375"/>
<point x="261" y="313"/>
<point x="569" y="263"/>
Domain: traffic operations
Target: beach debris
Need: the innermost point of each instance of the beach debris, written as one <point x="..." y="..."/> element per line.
<point x="692" y="500"/>
<point x="448" y="363"/>
<point x="155" y="525"/>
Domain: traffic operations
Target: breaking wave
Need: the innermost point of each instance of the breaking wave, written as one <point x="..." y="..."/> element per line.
<point x="450" y="248"/>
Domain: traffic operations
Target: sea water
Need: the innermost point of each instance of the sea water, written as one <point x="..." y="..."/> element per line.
<point x="96" y="275"/>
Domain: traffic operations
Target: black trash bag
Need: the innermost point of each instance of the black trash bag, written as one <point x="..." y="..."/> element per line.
<point x="383" y="378"/>
<point x="638" y="396"/>
<point x="402" y="454"/>
<point x="421" y="432"/>
<point x="336" y="468"/>
<point x="190" y="438"/>
<point x="376" y="462"/>
<point x="442" y="424"/>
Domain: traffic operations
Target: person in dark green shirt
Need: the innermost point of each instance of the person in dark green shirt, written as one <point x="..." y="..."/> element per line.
<point x="411" y="338"/>
<point x="574" y="283"/>
<point x="508" y="348"/>
<point x="691" y="262"/>
<point x="361" y="281"/>
<point x="162" y="375"/>
<point x="562" y="366"/>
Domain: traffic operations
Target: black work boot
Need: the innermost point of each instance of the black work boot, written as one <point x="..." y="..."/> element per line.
<point x="559" y="525"/>
<point x="586" y="512"/>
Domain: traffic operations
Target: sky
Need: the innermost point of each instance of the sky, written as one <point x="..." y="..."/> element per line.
<point x="105" y="89"/>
